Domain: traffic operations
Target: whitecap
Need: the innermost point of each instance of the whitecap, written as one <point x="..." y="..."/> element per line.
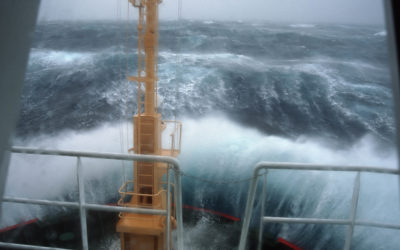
<point x="381" y="33"/>
<point x="58" y="57"/>
<point x="302" y="25"/>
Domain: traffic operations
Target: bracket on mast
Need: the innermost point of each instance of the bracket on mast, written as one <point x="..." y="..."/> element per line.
<point x="140" y="79"/>
<point x="137" y="3"/>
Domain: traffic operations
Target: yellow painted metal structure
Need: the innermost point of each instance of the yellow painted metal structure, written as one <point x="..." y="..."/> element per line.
<point x="147" y="190"/>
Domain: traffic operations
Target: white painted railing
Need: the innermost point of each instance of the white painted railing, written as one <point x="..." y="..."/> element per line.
<point x="173" y="165"/>
<point x="351" y="222"/>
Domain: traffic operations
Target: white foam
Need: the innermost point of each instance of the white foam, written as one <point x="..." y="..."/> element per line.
<point x="58" y="57"/>
<point x="193" y="59"/>
<point x="48" y="177"/>
<point x="381" y="33"/>
<point x="302" y="25"/>
<point x="242" y="144"/>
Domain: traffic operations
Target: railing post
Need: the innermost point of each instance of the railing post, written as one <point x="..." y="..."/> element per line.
<point x="82" y="209"/>
<point x="249" y="210"/>
<point x="260" y="231"/>
<point x="179" y="208"/>
<point x="168" y="211"/>
<point x="354" y="203"/>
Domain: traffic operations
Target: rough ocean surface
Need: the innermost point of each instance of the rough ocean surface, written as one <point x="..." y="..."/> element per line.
<point x="246" y="92"/>
<point x="329" y="81"/>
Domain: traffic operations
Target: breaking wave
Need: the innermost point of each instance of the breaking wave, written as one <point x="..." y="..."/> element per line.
<point x="224" y="152"/>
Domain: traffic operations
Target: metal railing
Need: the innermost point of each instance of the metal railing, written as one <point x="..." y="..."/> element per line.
<point x="351" y="222"/>
<point x="173" y="164"/>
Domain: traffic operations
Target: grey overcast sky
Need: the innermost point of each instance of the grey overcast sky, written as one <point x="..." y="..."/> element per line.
<point x="309" y="11"/>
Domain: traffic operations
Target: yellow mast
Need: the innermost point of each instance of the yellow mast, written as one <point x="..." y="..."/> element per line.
<point x="139" y="231"/>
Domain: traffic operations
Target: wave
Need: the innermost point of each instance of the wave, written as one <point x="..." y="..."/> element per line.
<point x="381" y="33"/>
<point x="80" y="90"/>
<point x="302" y="25"/>
<point x="220" y="150"/>
<point x="235" y="150"/>
<point x="208" y="22"/>
<point x="49" y="58"/>
<point x="57" y="175"/>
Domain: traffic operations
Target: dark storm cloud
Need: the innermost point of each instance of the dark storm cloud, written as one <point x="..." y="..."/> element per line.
<point x="338" y="11"/>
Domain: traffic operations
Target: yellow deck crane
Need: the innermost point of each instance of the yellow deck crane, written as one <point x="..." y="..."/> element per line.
<point x="147" y="190"/>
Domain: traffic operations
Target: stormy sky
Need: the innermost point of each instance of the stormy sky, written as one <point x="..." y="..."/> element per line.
<point x="310" y="11"/>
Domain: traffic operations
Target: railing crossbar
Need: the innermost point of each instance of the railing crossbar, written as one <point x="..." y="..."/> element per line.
<point x="88" y="206"/>
<point x="317" y="167"/>
<point x="305" y="220"/>
<point x="40" y="202"/>
<point x="329" y="221"/>
<point x="109" y="156"/>
<point x="23" y="246"/>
